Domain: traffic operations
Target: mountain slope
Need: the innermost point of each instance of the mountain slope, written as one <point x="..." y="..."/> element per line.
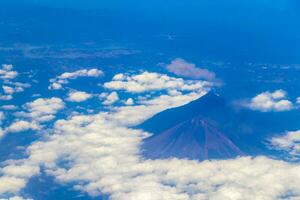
<point x="196" y="138"/>
<point x="207" y="128"/>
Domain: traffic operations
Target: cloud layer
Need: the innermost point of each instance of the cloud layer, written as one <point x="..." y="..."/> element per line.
<point x="101" y="153"/>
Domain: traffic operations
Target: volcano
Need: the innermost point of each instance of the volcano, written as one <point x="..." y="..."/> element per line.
<point x="207" y="128"/>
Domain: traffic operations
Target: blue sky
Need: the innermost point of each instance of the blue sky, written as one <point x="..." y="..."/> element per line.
<point x="76" y="78"/>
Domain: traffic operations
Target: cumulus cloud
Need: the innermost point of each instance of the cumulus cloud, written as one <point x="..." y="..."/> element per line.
<point x="36" y="113"/>
<point x="58" y="82"/>
<point x="183" y="68"/>
<point x="162" y="92"/>
<point x="11" y="184"/>
<point x="19" y="126"/>
<point x="9" y="86"/>
<point x="270" y="101"/>
<point x="9" y="107"/>
<point x="149" y="81"/>
<point x="8" y="90"/>
<point x="131" y="115"/>
<point x="7" y="72"/>
<point x="111" y="98"/>
<point x="78" y="96"/>
<point x="42" y="109"/>
<point x="129" y="102"/>
<point x="5" y="97"/>
<point x="288" y="143"/>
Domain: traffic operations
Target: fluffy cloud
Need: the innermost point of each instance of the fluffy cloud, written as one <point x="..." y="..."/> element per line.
<point x="21" y="125"/>
<point x="8" y="90"/>
<point x="183" y="68"/>
<point x="148" y="81"/>
<point x="289" y="143"/>
<point x="9" y="87"/>
<point x="78" y="96"/>
<point x="111" y="98"/>
<point x="36" y="112"/>
<point x="163" y="92"/>
<point x="270" y="101"/>
<point x="9" y="107"/>
<point x="10" y="184"/>
<point x="298" y="100"/>
<point x="7" y="73"/>
<point x="129" y="102"/>
<point x="42" y="109"/>
<point x="2" y="116"/>
<point x="131" y="115"/>
<point x="5" y="97"/>
<point x="58" y="82"/>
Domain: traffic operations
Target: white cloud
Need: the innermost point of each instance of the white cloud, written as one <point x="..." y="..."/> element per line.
<point x="9" y="107"/>
<point x="42" y="109"/>
<point x="81" y="73"/>
<point x="2" y="132"/>
<point x="11" y="184"/>
<point x="270" y="101"/>
<point x="2" y="117"/>
<point x="131" y="115"/>
<point x="5" y="97"/>
<point x="16" y="198"/>
<point x="19" y="126"/>
<point x="289" y="143"/>
<point x="111" y="98"/>
<point x="78" y="96"/>
<point x="129" y="102"/>
<point x="148" y="81"/>
<point x="183" y="68"/>
<point x="55" y="86"/>
<point x="7" y="73"/>
<point x="298" y="100"/>
<point x="58" y="82"/>
<point x="8" y="90"/>
<point x="10" y="87"/>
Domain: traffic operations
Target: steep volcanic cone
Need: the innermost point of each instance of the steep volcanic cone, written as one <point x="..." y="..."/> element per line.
<point x="202" y="129"/>
<point x="194" y="139"/>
